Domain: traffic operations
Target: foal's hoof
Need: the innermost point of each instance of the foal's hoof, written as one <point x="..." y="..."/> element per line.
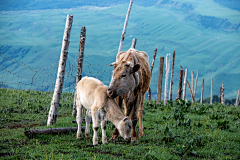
<point x="95" y="145"/>
<point x="79" y="136"/>
<point x="106" y="143"/>
<point x="87" y="136"/>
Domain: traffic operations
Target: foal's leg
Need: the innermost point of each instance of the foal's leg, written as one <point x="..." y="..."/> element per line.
<point x="104" y="137"/>
<point x="79" y="119"/>
<point x="95" y="126"/>
<point x="87" y="119"/>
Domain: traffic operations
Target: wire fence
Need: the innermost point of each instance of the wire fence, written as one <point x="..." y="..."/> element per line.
<point x="25" y="89"/>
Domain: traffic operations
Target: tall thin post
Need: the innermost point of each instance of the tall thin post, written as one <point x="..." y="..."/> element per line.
<point x="222" y="94"/>
<point x="52" y="116"/>
<point x="195" y="87"/>
<point x="80" y="65"/>
<point x="237" y="101"/>
<point x="184" y="84"/>
<point x="160" y="75"/>
<point x="192" y="84"/>
<point x="180" y="85"/>
<point x="134" y="41"/>
<point x="149" y="90"/>
<point x="220" y="101"/>
<point x="202" y="91"/>
<point x="211" y="90"/>
<point x="166" y="77"/>
<point x="188" y="84"/>
<point x="172" y="74"/>
<point x="125" y="26"/>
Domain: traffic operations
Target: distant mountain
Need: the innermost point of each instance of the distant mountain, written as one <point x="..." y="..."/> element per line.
<point x="233" y="4"/>
<point x="205" y="35"/>
<point x="13" y="5"/>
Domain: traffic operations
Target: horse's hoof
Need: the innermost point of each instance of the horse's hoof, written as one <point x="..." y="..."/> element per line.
<point x="95" y="145"/>
<point x="133" y="141"/>
<point x="113" y="139"/>
<point x="141" y="134"/>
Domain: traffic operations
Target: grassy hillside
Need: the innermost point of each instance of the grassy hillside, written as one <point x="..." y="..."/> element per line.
<point x="35" y="37"/>
<point x="13" y="5"/>
<point x="179" y="130"/>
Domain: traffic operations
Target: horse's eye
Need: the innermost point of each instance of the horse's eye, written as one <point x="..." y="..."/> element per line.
<point x="123" y="75"/>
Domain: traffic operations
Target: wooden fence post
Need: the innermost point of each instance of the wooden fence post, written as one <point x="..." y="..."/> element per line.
<point x="160" y="75"/>
<point x="80" y="65"/>
<point x="172" y="74"/>
<point x="195" y="87"/>
<point x="222" y="94"/>
<point x="188" y="84"/>
<point x="237" y="101"/>
<point x="202" y="91"/>
<point x="211" y="90"/>
<point x="168" y="56"/>
<point x="192" y="84"/>
<point x="134" y="41"/>
<point x="52" y="117"/>
<point x="149" y="90"/>
<point x="125" y="26"/>
<point x="180" y="85"/>
<point x="184" y="84"/>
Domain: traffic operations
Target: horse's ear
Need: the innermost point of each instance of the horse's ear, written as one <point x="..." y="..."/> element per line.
<point x="114" y="63"/>
<point x="135" y="68"/>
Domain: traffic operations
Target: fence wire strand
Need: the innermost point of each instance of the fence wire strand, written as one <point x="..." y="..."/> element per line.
<point x="26" y="89"/>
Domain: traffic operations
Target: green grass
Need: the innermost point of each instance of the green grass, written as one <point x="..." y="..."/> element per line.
<point x="179" y="130"/>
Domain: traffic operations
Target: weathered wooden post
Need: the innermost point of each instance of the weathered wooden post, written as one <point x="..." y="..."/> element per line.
<point x="149" y="90"/>
<point x="237" y="101"/>
<point x="202" y="91"/>
<point x="134" y="41"/>
<point x="123" y="36"/>
<point x="52" y="117"/>
<point x="192" y="84"/>
<point x="188" y="84"/>
<point x="222" y="94"/>
<point x="125" y="26"/>
<point x="180" y="85"/>
<point x="195" y="86"/>
<point x="184" y="84"/>
<point x="172" y="74"/>
<point x="168" y="56"/>
<point x="80" y="65"/>
<point x="160" y="75"/>
<point x="211" y="90"/>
